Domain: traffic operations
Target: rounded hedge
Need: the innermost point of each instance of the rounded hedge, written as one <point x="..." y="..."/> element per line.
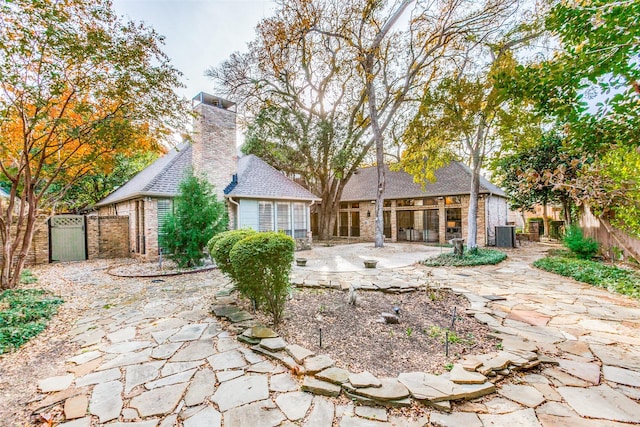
<point x="262" y="263"/>
<point x="220" y="247"/>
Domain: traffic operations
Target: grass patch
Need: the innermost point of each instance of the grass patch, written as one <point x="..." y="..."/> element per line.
<point x="612" y="278"/>
<point x="23" y="315"/>
<point x="479" y="257"/>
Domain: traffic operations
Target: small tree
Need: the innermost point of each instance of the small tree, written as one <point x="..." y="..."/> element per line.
<point x="262" y="263"/>
<point x="196" y="218"/>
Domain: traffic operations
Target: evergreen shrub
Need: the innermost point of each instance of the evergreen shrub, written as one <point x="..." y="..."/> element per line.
<point x="220" y="247"/>
<point x="262" y="263"/>
<point x="583" y="248"/>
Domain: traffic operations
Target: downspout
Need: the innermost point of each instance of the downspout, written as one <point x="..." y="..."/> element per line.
<point x="237" y="225"/>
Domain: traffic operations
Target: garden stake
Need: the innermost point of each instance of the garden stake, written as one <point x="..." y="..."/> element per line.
<point x="453" y="318"/>
<point x="446" y="343"/>
<point x="320" y="337"/>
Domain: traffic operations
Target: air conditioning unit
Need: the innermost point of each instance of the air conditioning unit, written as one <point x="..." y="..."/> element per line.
<point x="505" y="236"/>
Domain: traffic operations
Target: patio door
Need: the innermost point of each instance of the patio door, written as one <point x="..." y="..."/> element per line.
<point x="355" y="224"/>
<point x="431" y="226"/>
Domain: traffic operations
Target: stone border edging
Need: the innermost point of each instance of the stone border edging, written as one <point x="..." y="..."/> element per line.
<point x="473" y="377"/>
<point x="150" y="276"/>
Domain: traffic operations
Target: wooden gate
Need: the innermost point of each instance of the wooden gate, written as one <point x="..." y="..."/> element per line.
<point x="68" y="238"/>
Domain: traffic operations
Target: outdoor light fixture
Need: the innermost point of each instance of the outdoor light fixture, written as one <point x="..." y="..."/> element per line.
<point x="397" y="310"/>
<point x="368" y="214"/>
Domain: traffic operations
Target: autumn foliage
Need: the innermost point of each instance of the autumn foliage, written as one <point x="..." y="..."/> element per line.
<point x="79" y="87"/>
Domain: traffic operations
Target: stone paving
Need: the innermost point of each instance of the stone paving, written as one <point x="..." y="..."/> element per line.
<point x="152" y="354"/>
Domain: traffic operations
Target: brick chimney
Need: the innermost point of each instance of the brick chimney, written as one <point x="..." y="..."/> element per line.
<point x="214" y="152"/>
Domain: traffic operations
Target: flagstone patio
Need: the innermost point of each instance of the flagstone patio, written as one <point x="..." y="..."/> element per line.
<point x="146" y="353"/>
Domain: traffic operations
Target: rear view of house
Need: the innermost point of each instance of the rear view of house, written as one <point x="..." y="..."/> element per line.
<point x="434" y="212"/>
<point x="257" y="195"/>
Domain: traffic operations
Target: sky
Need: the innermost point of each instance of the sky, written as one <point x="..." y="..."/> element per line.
<point x="198" y="34"/>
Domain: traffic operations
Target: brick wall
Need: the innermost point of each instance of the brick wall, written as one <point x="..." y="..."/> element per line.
<point x="39" y="250"/>
<point x="367" y="224"/>
<point x="151" y="228"/>
<point x="107" y="237"/>
<point x="214" y="151"/>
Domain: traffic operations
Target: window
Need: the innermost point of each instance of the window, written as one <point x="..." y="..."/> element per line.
<point x="345" y="205"/>
<point x="265" y="216"/>
<point x="386" y="223"/>
<point x="344" y="224"/>
<point x="405" y="202"/>
<point x="430" y="201"/>
<point x="164" y="209"/>
<point x="387" y="203"/>
<point x="299" y="221"/>
<point x="284" y="218"/>
<point x="452" y="200"/>
<point x="454" y="223"/>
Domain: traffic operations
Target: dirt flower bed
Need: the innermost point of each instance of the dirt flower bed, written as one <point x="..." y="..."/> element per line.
<point x="358" y="340"/>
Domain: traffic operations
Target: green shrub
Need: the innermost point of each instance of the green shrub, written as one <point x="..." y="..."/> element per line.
<point x="197" y="217"/>
<point x="23" y="315"/>
<point x="478" y="257"/>
<point x="595" y="273"/>
<point x="261" y="264"/>
<point x="584" y="248"/>
<point x="220" y="247"/>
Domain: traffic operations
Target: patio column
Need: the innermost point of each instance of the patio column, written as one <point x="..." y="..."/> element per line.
<point x="394" y="222"/>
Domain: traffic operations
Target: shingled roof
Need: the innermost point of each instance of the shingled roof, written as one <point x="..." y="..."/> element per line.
<point x="160" y="179"/>
<point x="453" y="179"/>
<point x="258" y="180"/>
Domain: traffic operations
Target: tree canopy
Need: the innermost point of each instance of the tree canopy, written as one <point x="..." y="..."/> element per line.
<point x="79" y="87"/>
<point x="590" y="89"/>
<point x="324" y="81"/>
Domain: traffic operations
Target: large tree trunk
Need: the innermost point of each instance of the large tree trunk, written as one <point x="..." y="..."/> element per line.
<point x="472" y="220"/>
<point x="327" y="219"/>
<point x="377" y="137"/>
<point x="328" y="210"/>
<point x="17" y="237"/>
<point x="474" y="192"/>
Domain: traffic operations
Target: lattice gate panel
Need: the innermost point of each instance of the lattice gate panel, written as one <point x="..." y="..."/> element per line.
<point x="68" y="237"/>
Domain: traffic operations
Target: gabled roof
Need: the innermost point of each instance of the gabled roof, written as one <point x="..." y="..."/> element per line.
<point x="453" y="179"/>
<point x="160" y="179"/>
<point x="258" y="180"/>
